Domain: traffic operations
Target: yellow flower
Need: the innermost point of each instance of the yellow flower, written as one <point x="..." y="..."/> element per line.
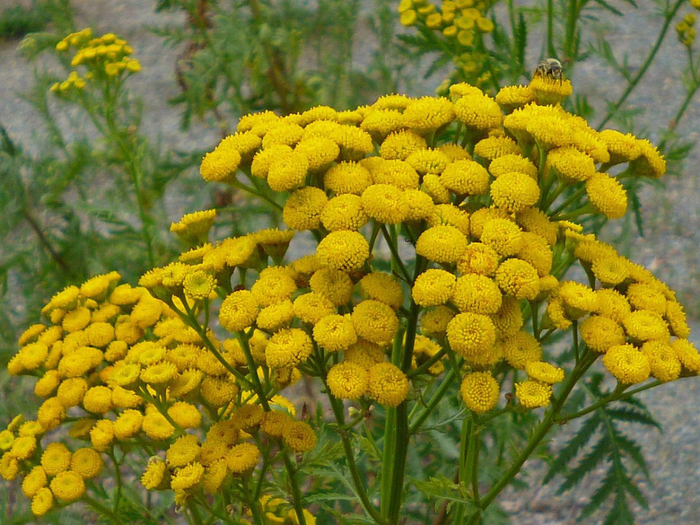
<point x="388" y="385"/>
<point x="23" y="448"/>
<point x="428" y="161"/>
<point x="650" y="163"/>
<point x="354" y="143"/>
<point x="380" y="122"/>
<point x="420" y="205"/>
<point x="513" y="97"/>
<point x="382" y="287"/>
<point x="432" y="185"/>
<point x="343" y="250"/>
<point x="483" y="215"/>
<point x="51" y="413"/>
<point x="454" y="152"/>
<point x="238" y="311"/>
<point x="493" y="147"/>
<point x="675" y="316"/>
<point x="434" y="322"/>
<point x="333" y="284"/>
<point x="318" y="113"/>
<point x="478" y="111"/>
<point x="245" y="143"/>
<point x="442" y="244"/>
<point x="276" y="316"/>
<point x="571" y="165"/>
<point x="9" y="467"/>
<point x="184" y="450"/>
<point x="260" y="167"/>
<point x="610" y="270"/>
<point x="156" y="475"/>
<point x="504" y="236"/>
<point x="128" y="424"/>
<point x="34" y="481"/>
<point x="622" y="148"/>
<point x="42" y="502"/>
<point x="64" y="300"/>
<point x="480" y="392"/>
<point x="600" y="333"/>
<point x="478" y="258"/>
<point x="285" y="133"/>
<point x="68" y="486"/>
<point x="320" y="152"/>
<point x="87" y="462"/>
<point x="393" y="101"/>
<point x="471" y="334"/>
<point x="612" y="304"/>
<point x="220" y="165"/>
<point x="242" y="458"/>
<point x="578" y="299"/>
<point x="477" y="294"/>
<point x="217" y="391"/>
<point x="98" y="400"/>
<point x="520" y="349"/>
<point x="185" y="414"/>
<point x="450" y="215"/>
<point x="465" y="177"/>
<point x="515" y="191"/>
<point x="400" y="144"/>
<point x="433" y="287"/>
<point x="187" y="477"/>
<point x="311" y="307"/>
<point x="510" y="163"/>
<point x="428" y="114"/>
<point x="299" y="436"/>
<point x="645" y="325"/>
<point x="194" y="225"/>
<point x="347" y="177"/>
<point x="385" y="203"/>
<point x="607" y="195"/>
<point x="288" y="348"/>
<point x="394" y="172"/>
<point x="627" y="364"/>
<point x="687" y="354"/>
<point x="348" y="380"/>
<point x="344" y="212"/>
<point x="375" y="321"/>
<point x="274" y="422"/>
<point x="31" y="334"/>
<point x="544" y="372"/>
<point x="48" y="383"/>
<point x="663" y="361"/>
<point x="533" y="394"/>
<point x="550" y="90"/>
<point x="646" y="297"/>
<point x="156" y="426"/>
<point x="334" y="332"/>
<point x="158" y="374"/>
<point x="275" y="284"/>
<point x="198" y="285"/>
<point x="288" y="171"/>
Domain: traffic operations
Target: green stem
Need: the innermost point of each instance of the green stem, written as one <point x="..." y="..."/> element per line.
<point x="550" y="29"/>
<point x="103" y="510"/>
<point x="576" y="195"/>
<point x="396" y="258"/>
<point x="434" y="401"/>
<point x="642" y="71"/>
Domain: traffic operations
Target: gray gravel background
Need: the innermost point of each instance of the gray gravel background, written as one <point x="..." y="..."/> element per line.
<point x="669" y="247"/>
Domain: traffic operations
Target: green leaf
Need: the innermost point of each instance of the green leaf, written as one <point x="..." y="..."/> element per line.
<point x="440" y="488"/>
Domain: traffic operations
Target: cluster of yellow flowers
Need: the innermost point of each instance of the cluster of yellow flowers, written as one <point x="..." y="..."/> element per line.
<point x="479" y="187"/>
<point x="106" y="57"/>
<point x="686" y="29"/>
<point x="460" y="22"/>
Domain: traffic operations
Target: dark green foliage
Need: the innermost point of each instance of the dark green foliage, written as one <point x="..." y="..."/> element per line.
<point x="601" y="444"/>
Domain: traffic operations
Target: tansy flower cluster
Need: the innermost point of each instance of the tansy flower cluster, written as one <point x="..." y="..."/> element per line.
<point x="470" y="196"/>
<point x="104" y="58"/>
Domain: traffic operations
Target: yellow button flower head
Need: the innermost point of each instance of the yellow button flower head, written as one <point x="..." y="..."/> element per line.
<point x="607" y="195"/>
<point x="392" y="101"/>
<point x="246" y="143"/>
<point x="51" y="413"/>
<point x="156" y="426"/>
<point x="42" y="501"/>
<point x="477" y="294"/>
<point x="544" y="372"/>
<point x="319" y="151"/>
<point x="515" y="191"/>
<point x="610" y="270"/>
<point x="102" y="434"/>
<point x="571" y="165"/>
<point x="385" y="203"/>
<point x="288" y="171"/>
<point x="348" y="380"/>
<point x="645" y="325"/>
<point x="286" y="133"/>
<point x="318" y="113"/>
<point x="513" y="97"/>
<point x="434" y="322"/>
<point x="388" y="385"/>
<point x="184" y="450"/>
<point x="194" y="225"/>
<point x="480" y="392"/>
<point x="9" y="467"/>
<point x="512" y="162"/>
<point x="260" y="167"/>
<point x="675" y="316"/>
<point x="275" y="284"/>
<point x="432" y="185"/>
<point x="299" y="436"/>
<point x="344" y="212"/>
<point x="23" y="448"/>
<point x="354" y="143"/>
<point x="220" y="165"/>
<point x="382" y="287"/>
<point x="156" y="475"/>
<point x="433" y="287"/>
<point x="347" y="177"/>
<point x="471" y="334"/>
<point x="68" y="486"/>
<point x="128" y="424"/>
<point x="627" y="364"/>
<point x="242" y="458"/>
<point x="465" y="177"/>
<point x="663" y="361"/>
<point x="248" y="122"/>
<point x="303" y="208"/>
<point x="420" y="205"/>
<point x="187" y="477"/>
<point x="74" y="321"/>
<point x="31" y="334"/>
<point x="400" y="144"/>
<point x="428" y="114"/>
<point x="35" y="480"/>
<point x="612" y="304"/>
<point x="550" y="91"/>
<point x="98" y="400"/>
<point x="276" y="316"/>
<point x="537" y="252"/>
<point x="646" y="297"/>
<point x="504" y="236"/>
<point x="533" y="394"/>
<point x="450" y="215"/>
<point x="288" y="348"/>
<point x="454" y="152"/>
<point x="48" y="384"/>
<point x="375" y="321"/>
<point x="522" y="348"/>
<point x="650" y="163"/>
<point x="601" y="333"/>
<point x="442" y="244"/>
<point x="428" y="161"/>
<point x="687" y="355"/>
<point x="381" y="122"/>
<point x="335" y="332"/>
<point x="478" y="258"/>
<point x="312" y="307"/>
<point x="622" y="148"/>
<point x="198" y="285"/>
<point x="343" y="250"/>
<point x="578" y="298"/>
<point x="238" y="311"/>
<point x="493" y="147"/>
<point x="333" y="284"/>
<point x="87" y="462"/>
<point x="478" y="111"/>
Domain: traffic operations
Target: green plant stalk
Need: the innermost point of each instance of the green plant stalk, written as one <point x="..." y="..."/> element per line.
<point x="550" y="29"/>
<point x="118" y="479"/>
<point x="570" y="200"/>
<point x="573" y="12"/>
<point x="192" y="506"/>
<point x="465" y="442"/>
<point x="642" y="71"/>
<point x="102" y="509"/>
<point x="433" y="402"/>
<point x="430" y="362"/>
<point x="396" y="258"/>
<point x="541" y="430"/>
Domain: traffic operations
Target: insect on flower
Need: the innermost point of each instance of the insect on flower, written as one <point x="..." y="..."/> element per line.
<point x="550" y="68"/>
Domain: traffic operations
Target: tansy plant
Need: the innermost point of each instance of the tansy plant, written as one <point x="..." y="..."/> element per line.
<point x="428" y="309"/>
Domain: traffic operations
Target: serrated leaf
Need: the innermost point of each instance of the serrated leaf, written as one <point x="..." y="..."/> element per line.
<point x="572" y="448"/>
<point x="440" y="488"/>
<point x="586" y="465"/>
<point x="632" y="416"/>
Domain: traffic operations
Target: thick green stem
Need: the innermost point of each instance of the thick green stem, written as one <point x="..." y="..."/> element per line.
<point x="103" y="510"/>
<point x="433" y="402"/>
